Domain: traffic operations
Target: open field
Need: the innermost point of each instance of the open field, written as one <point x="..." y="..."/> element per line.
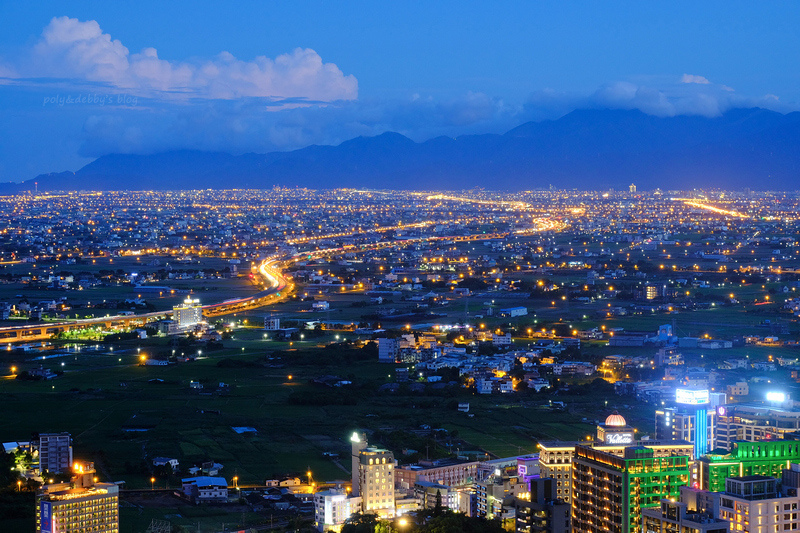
<point x="120" y="417"/>
<point x="138" y="510"/>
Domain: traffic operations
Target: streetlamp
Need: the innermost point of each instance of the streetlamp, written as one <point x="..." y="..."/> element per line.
<point x="152" y="483"/>
<point x="236" y="482"/>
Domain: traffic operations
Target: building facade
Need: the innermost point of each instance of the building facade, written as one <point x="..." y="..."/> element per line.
<point x="81" y="506"/>
<point x="54" y="451"/>
<point x="540" y="511"/>
<point x="187" y="314"/>
<point x="555" y="458"/>
<point x="674" y="517"/>
<point x="376" y="481"/>
<point x="747" y="459"/>
<point x="496" y="494"/>
<point x="333" y="507"/>
<point x="753" y="422"/>
<point x="610" y="492"/>
<point x="680" y="423"/>
<point x="752" y="504"/>
<point x="450" y="472"/>
<point x="388" y="350"/>
<point x="206" y="489"/>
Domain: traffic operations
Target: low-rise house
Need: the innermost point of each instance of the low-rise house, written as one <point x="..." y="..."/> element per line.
<point x="204" y="489"/>
<point x="163" y="461"/>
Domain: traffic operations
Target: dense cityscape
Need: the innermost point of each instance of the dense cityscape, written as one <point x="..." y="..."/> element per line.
<point x="364" y="360"/>
<point x="399" y="267"/>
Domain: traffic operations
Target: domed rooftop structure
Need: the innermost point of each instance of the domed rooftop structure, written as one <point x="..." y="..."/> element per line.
<point x="616" y="420"/>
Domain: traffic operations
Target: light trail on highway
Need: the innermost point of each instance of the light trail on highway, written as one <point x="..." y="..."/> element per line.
<point x="717" y="210"/>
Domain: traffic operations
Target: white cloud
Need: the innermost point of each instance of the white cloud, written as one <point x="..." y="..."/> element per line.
<point x="80" y="51"/>
<point x="655" y="95"/>
<point x="691" y="78"/>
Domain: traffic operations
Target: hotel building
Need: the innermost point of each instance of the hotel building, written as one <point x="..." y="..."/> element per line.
<point x="81" y="506"/>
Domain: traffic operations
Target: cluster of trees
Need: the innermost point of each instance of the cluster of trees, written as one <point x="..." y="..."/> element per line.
<point x="437" y="520"/>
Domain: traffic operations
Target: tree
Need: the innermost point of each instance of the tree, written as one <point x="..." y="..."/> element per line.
<point x="365" y="523"/>
<point x="450" y="522"/>
<point x="437" y="508"/>
<point x="301" y="524"/>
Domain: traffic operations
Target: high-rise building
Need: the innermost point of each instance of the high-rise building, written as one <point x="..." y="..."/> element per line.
<point x="376" y="481"/>
<point x="610" y="492"/>
<point x="691" y="422"/>
<point x="767" y="458"/>
<point x="187" y="314"/>
<point x="54" y="451"/>
<point x="632" y="188"/>
<point x="680" y="423"/>
<point x="555" y="458"/>
<point x="81" y="506"/>
<point x="540" y="511"/>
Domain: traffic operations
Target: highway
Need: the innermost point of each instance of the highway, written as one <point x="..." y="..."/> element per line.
<point x="277" y="287"/>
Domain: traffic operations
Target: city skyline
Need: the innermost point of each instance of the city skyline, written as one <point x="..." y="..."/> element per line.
<point x="374" y="267"/>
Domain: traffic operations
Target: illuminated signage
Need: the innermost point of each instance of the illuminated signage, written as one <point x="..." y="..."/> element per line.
<point x="619" y="438"/>
<point x="691" y="397"/>
<point x="721" y="410"/>
<point x="46" y="516"/>
<point x="776" y="397"/>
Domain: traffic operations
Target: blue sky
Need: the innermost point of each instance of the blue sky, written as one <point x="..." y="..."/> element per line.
<point x="81" y="79"/>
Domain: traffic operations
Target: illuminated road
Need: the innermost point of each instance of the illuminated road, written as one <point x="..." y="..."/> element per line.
<point x="382" y="229"/>
<point x="719" y="211"/>
<point x="277" y="287"/>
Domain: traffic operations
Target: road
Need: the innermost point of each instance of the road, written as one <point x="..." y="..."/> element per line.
<point x="277" y="286"/>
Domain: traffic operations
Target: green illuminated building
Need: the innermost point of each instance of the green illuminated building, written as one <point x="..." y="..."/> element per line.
<point x="609" y="491"/>
<point x="763" y="458"/>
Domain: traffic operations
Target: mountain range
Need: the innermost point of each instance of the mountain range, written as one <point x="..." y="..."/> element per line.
<point x="585" y="149"/>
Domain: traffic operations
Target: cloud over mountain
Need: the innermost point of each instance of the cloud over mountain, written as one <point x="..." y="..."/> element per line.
<point x="79" y="51"/>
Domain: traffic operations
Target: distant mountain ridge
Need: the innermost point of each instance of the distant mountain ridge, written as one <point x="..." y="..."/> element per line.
<point x="585" y="149"/>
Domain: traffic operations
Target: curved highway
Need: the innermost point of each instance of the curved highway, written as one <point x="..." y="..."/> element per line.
<point x="278" y="287"/>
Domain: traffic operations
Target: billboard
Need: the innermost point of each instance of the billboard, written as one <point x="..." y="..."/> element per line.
<point x="776" y="397"/>
<point x="691" y="396"/>
<point x="46" y="516"/>
<point x="619" y="438"/>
